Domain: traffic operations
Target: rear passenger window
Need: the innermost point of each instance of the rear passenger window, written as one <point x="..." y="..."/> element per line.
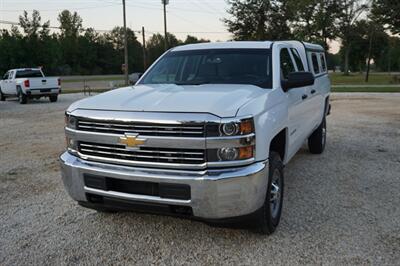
<point x="287" y="65"/>
<point x="323" y="63"/>
<point x="315" y="64"/>
<point x="5" y="76"/>
<point x="297" y="59"/>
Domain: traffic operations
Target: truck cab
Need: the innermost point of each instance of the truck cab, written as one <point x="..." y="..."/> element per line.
<point x="205" y="133"/>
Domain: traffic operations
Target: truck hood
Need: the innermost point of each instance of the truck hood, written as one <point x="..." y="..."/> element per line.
<point x="223" y="100"/>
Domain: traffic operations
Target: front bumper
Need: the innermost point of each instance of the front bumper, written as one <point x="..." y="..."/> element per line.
<point x="215" y="194"/>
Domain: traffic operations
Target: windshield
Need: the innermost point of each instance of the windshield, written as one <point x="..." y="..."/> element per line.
<point x="29" y="73"/>
<point x="217" y="66"/>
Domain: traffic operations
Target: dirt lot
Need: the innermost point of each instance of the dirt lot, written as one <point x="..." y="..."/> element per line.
<point x="342" y="207"/>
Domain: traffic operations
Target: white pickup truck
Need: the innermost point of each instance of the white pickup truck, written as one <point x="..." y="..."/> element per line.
<point x="205" y="133"/>
<point x="29" y="83"/>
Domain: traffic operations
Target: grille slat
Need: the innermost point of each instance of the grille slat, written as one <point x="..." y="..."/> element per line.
<point x="145" y="129"/>
<point x="139" y="126"/>
<point x="143" y="154"/>
<point x="141" y="151"/>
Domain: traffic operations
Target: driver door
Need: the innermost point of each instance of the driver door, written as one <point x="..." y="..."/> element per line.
<point x="297" y="107"/>
<point x="10" y="87"/>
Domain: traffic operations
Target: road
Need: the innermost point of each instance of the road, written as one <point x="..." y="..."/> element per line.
<point x="341" y="207"/>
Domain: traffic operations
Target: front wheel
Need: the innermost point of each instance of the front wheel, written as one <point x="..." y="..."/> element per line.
<point x="270" y="213"/>
<point x="317" y="140"/>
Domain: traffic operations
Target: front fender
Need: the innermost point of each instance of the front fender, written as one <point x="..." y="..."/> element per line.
<point x="270" y="114"/>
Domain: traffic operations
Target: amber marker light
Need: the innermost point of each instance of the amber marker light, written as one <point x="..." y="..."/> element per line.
<point x="246" y="152"/>
<point x="246" y="127"/>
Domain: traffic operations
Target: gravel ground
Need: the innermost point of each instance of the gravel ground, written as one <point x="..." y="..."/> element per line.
<point x="341" y="207"/>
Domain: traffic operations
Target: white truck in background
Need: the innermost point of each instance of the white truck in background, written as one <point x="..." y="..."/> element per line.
<point x="29" y="83"/>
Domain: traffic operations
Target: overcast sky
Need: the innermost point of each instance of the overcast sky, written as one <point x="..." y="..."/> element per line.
<point x="201" y="18"/>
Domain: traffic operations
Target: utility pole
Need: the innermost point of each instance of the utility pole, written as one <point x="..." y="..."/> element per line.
<point x="126" y="70"/>
<point x="144" y="50"/>
<point x="165" y="3"/>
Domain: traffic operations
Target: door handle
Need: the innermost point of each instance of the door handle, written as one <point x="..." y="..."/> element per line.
<point x="312" y="91"/>
<point x="304" y="96"/>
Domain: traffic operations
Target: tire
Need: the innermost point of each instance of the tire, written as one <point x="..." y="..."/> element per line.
<point x="317" y="140"/>
<point x="22" y="98"/>
<point x="53" y="98"/>
<point x="2" y="96"/>
<point x="270" y="213"/>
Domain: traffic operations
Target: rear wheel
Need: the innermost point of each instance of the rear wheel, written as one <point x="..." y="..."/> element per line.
<point x="270" y="213"/>
<point x="317" y="140"/>
<point x="22" y="98"/>
<point x="53" y="98"/>
<point x="2" y="96"/>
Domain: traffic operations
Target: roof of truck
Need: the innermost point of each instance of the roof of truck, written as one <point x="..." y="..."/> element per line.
<point x="242" y="45"/>
<point x="224" y="45"/>
<point x="22" y="69"/>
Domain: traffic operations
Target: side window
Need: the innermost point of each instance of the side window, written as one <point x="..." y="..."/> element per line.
<point x="5" y="76"/>
<point x="10" y="74"/>
<point x="297" y="59"/>
<point x="323" y="62"/>
<point x="287" y="65"/>
<point x="315" y="64"/>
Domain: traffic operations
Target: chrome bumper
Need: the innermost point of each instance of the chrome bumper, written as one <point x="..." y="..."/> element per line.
<point x="215" y="194"/>
<point x="37" y="92"/>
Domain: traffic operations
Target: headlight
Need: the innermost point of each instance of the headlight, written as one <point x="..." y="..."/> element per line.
<point x="230" y="129"/>
<point x="234" y="154"/>
<point x="228" y="154"/>
<point x="70" y="121"/>
<point x="71" y="144"/>
<point x="234" y="128"/>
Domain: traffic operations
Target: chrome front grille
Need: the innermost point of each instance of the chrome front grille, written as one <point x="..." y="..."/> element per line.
<point x="144" y="129"/>
<point x="143" y="154"/>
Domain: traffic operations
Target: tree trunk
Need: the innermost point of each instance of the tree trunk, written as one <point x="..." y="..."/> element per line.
<point x="369" y="58"/>
<point x="346" y="61"/>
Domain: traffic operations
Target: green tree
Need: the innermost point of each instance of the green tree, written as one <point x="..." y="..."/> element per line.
<point x="259" y="19"/>
<point x="351" y="11"/>
<point x="135" y="60"/>
<point x="155" y="45"/>
<point x="387" y="12"/>
<point x="31" y="26"/>
<point x="192" y="39"/>
<point x="316" y="20"/>
<point x="71" y="27"/>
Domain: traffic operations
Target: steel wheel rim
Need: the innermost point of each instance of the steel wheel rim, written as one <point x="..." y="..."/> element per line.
<point x="276" y="193"/>
<point x="323" y="135"/>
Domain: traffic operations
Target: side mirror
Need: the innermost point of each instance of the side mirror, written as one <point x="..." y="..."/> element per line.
<point x="297" y="79"/>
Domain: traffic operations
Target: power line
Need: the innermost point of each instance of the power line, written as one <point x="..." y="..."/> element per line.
<point x="58" y="9"/>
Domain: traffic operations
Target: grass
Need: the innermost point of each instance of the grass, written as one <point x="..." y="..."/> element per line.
<point x="366" y="89"/>
<point x="94" y="78"/>
<point x="68" y="91"/>
<point x="359" y="79"/>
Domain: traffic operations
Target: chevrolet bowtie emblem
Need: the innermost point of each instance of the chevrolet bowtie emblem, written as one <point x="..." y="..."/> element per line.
<point x="132" y="141"/>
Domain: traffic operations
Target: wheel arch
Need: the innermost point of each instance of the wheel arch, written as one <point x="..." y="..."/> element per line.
<point x="279" y="143"/>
